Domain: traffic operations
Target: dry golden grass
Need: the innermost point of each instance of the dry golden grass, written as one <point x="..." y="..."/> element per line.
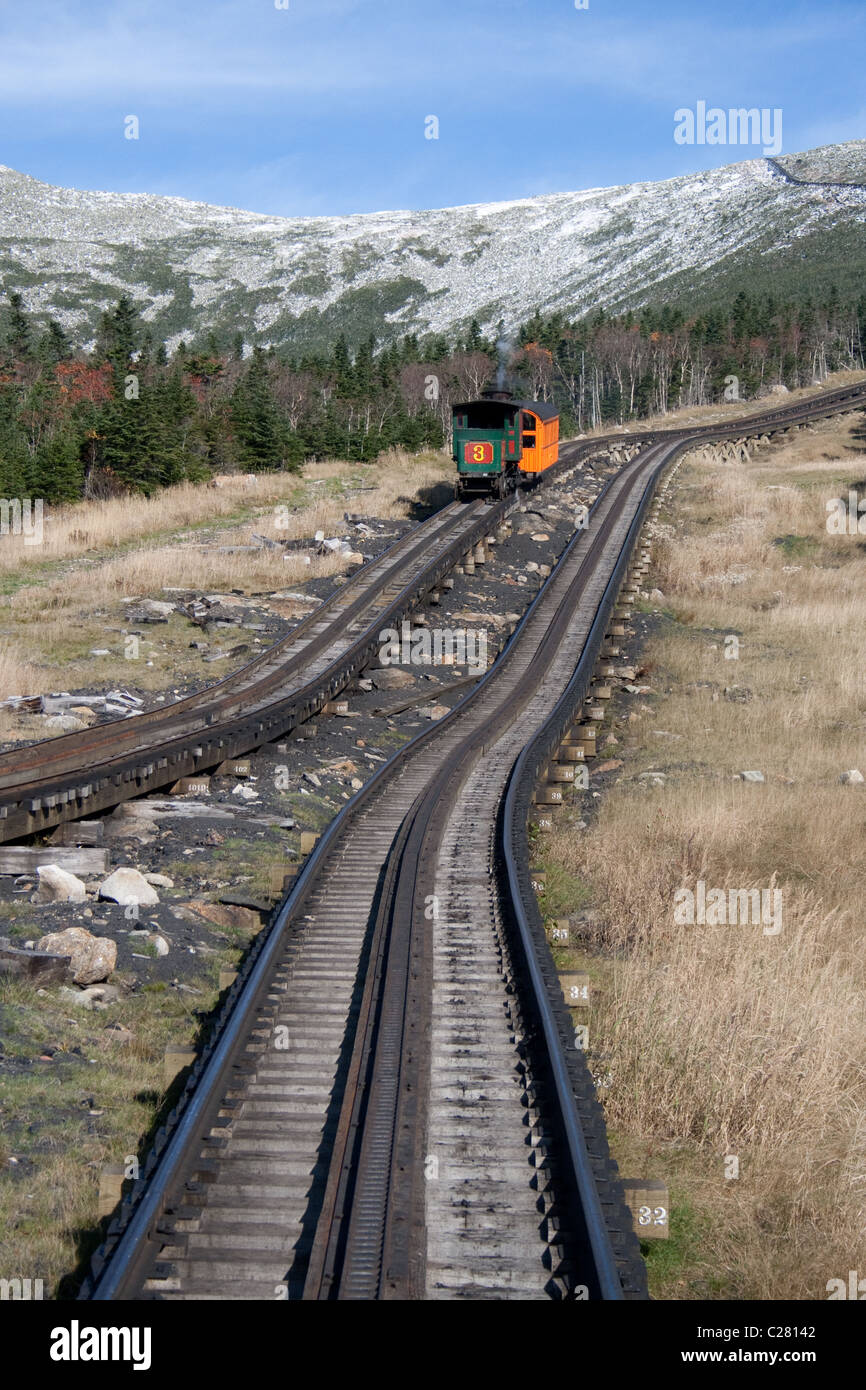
<point x="83" y="528"/>
<point x="721" y="1040"/>
<point x="55" y="619"/>
<point x="731" y="410"/>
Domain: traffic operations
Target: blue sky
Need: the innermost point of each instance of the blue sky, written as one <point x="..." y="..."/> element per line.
<point x="320" y="108"/>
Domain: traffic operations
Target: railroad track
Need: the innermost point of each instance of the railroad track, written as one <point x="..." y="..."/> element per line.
<point x="81" y="774"/>
<point x="392" y="1104"/>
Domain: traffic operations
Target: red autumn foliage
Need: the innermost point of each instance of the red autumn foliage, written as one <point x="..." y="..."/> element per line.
<point x="79" y="382"/>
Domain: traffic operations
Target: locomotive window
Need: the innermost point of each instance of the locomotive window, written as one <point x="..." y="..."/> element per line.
<point x="529" y="441"/>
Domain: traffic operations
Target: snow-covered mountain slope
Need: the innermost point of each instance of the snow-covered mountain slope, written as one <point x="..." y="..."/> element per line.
<point x="301" y="280"/>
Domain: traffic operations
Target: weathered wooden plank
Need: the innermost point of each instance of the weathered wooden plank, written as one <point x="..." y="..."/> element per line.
<point x="21" y="859"/>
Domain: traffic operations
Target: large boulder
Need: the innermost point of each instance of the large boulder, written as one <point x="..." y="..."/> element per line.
<point x="91" y="958"/>
<point x="126" y="886"/>
<point x="57" y="885"/>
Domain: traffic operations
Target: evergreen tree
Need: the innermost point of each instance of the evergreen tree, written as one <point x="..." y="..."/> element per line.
<point x="18" y="331"/>
<point x="260" y="429"/>
<point x="54" y="345"/>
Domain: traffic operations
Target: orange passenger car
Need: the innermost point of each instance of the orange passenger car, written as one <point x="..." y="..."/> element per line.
<point x="540" y="437"/>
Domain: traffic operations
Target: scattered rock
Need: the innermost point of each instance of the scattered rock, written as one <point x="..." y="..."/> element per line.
<point x="852" y="778"/>
<point x="392" y="678"/>
<point x="107" y="993"/>
<point x="159" y="880"/>
<point x="116" y="1032"/>
<point x="656" y="595"/>
<point x="64" y="723"/>
<point x="159" y="943"/>
<point x="80" y="998"/>
<point x="751" y="776"/>
<point x="610" y="766"/>
<point x="127" y="886"/>
<point x="38" y="967"/>
<point x="540" y="536"/>
<point x="228" y="915"/>
<point x="57" y="885"/>
<point x="91" y="958"/>
<point x="84" y="713"/>
<point x="437" y="711"/>
<point x="157" y="608"/>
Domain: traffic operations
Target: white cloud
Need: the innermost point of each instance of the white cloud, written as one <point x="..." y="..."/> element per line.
<point x="160" y="52"/>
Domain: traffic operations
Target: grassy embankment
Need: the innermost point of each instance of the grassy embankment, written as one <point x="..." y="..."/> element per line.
<point x="720" y="1041"/>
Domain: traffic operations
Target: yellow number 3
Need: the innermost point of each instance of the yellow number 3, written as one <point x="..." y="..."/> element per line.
<point x="479" y="453"/>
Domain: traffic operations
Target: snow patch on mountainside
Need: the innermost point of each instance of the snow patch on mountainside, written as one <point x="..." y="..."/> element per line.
<point x="191" y="266"/>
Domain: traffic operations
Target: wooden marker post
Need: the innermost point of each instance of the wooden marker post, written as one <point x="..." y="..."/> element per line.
<point x="649" y="1203"/>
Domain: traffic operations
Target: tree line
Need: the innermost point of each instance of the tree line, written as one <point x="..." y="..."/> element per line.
<point x="127" y="415"/>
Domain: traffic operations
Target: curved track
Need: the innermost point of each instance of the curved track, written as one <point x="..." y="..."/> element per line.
<point x="393" y="1106"/>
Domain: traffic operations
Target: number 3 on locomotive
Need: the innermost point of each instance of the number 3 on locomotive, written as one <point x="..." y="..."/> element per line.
<point x="478" y="453"/>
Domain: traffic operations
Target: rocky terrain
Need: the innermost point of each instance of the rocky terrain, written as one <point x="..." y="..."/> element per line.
<point x="301" y="281"/>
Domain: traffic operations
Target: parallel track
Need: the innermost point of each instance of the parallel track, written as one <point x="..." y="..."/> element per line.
<point x="393" y="1106"/>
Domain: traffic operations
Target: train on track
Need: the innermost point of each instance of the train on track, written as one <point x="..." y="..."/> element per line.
<point x="500" y="443"/>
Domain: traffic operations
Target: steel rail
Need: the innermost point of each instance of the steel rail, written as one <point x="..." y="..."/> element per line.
<point x="362" y="1250"/>
<point x="171" y="1156"/>
<point x="166" y="1162"/>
